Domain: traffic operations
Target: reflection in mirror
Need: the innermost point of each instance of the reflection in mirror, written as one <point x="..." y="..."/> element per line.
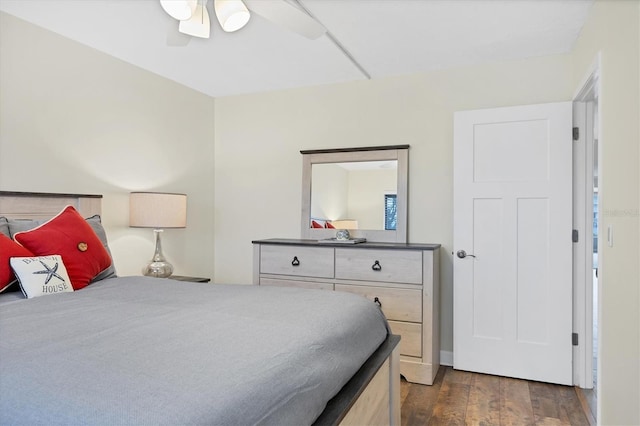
<point x="354" y="195"/>
<point x="363" y="190"/>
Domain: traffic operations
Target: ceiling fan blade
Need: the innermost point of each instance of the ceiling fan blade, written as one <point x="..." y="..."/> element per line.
<point x="179" y="9"/>
<point x="199" y="25"/>
<point x="287" y="15"/>
<point x="232" y="14"/>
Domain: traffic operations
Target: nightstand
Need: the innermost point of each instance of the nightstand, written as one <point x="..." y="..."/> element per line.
<point x="190" y="279"/>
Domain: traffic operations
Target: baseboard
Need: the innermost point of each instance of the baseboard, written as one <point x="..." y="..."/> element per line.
<point x="446" y="358"/>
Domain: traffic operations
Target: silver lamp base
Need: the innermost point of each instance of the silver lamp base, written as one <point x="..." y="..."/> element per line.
<point x="158" y="267"/>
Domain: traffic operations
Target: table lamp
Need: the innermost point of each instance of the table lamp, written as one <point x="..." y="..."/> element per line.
<point x="158" y="211"/>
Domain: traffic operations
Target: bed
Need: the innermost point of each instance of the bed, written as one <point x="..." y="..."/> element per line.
<point x="140" y="350"/>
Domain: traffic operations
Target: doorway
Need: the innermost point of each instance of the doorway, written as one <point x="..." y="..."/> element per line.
<point x="587" y="196"/>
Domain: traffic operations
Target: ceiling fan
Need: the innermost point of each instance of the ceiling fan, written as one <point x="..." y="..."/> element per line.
<point x="232" y="15"/>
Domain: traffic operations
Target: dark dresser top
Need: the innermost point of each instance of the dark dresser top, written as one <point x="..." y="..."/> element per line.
<point x="366" y="245"/>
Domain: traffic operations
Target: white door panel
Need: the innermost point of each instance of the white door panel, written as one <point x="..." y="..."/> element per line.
<point x="512" y="211"/>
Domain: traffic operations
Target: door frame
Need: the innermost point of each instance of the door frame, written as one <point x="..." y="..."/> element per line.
<point x="586" y="99"/>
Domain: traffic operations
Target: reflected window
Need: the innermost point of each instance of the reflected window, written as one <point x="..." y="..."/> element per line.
<point x="595" y="222"/>
<point x="390" y="212"/>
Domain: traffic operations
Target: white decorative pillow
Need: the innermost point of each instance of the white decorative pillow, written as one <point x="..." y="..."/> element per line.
<point x="42" y="275"/>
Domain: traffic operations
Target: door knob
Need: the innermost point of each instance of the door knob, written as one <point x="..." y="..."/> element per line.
<point x="462" y="254"/>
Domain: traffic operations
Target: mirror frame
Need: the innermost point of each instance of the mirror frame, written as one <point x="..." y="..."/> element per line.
<point x="345" y="155"/>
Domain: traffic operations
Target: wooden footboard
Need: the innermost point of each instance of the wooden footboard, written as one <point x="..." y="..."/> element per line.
<point x="372" y="396"/>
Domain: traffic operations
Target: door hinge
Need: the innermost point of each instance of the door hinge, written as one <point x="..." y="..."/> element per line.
<point x="574" y="339"/>
<point x="574" y="236"/>
<point x="576" y="133"/>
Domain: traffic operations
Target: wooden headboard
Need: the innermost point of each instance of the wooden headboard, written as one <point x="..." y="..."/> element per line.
<point x="39" y="205"/>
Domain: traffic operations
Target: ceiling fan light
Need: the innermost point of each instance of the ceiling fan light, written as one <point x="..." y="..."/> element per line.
<point x="232" y="14"/>
<point x="199" y="25"/>
<point x="179" y="9"/>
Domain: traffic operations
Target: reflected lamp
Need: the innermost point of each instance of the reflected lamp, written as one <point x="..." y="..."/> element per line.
<point x="345" y="224"/>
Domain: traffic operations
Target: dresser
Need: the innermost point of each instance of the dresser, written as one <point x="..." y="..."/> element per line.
<point x="403" y="279"/>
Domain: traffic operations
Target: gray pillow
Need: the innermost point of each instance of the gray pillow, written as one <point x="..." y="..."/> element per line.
<point x="4" y="226"/>
<point x="20" y="225"/>
<point x="96" y="225"/>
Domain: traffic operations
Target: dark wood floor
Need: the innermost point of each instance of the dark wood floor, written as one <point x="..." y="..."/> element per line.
<point x="463" y="398"/>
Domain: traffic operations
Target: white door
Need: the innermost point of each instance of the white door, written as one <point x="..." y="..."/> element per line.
<point x="512" y="218"/>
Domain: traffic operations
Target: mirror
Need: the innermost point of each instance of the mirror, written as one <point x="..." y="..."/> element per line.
<point x="356" y="194"/>
<point x="363" y="190"/>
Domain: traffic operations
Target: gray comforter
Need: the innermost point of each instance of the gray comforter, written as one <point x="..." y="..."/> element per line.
<point x="138" y="350"/>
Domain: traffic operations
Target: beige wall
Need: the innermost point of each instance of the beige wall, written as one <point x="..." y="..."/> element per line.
<point x="613" y="30"/>
<point x="76" y="120"/>
<point x="259" y="167"/>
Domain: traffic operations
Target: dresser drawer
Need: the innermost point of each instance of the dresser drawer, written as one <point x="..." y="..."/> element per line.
<point x="397" y="303"/>
<point x="411" y="342"/>
<point x="297" y="261"/>
<point x="293" y="283"/>
<point x="398" y="266"/>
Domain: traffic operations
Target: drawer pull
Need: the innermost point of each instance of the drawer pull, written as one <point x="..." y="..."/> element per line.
<point x="295" y="261"/>
<point x="377" y="302"/>
<point x="377" y="266"/>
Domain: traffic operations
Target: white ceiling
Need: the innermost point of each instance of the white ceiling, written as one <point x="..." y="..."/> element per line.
<point x="387" y="38"/>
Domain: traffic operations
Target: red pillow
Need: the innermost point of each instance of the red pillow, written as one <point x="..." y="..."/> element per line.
<point x="315" y="224"/>
<point x="9" y="249"/>
<point x="70" y="236"/>
<point x="329" y="225"/>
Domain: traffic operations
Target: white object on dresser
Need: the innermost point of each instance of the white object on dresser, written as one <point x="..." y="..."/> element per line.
<point x="403" y="278"/>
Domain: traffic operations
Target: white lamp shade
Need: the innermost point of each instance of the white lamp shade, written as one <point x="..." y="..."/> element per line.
<point x="232" y="14"/>
<point x="199" y="25"/>
<point x="179" y="9"/>
<point x="157" y="210"/>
